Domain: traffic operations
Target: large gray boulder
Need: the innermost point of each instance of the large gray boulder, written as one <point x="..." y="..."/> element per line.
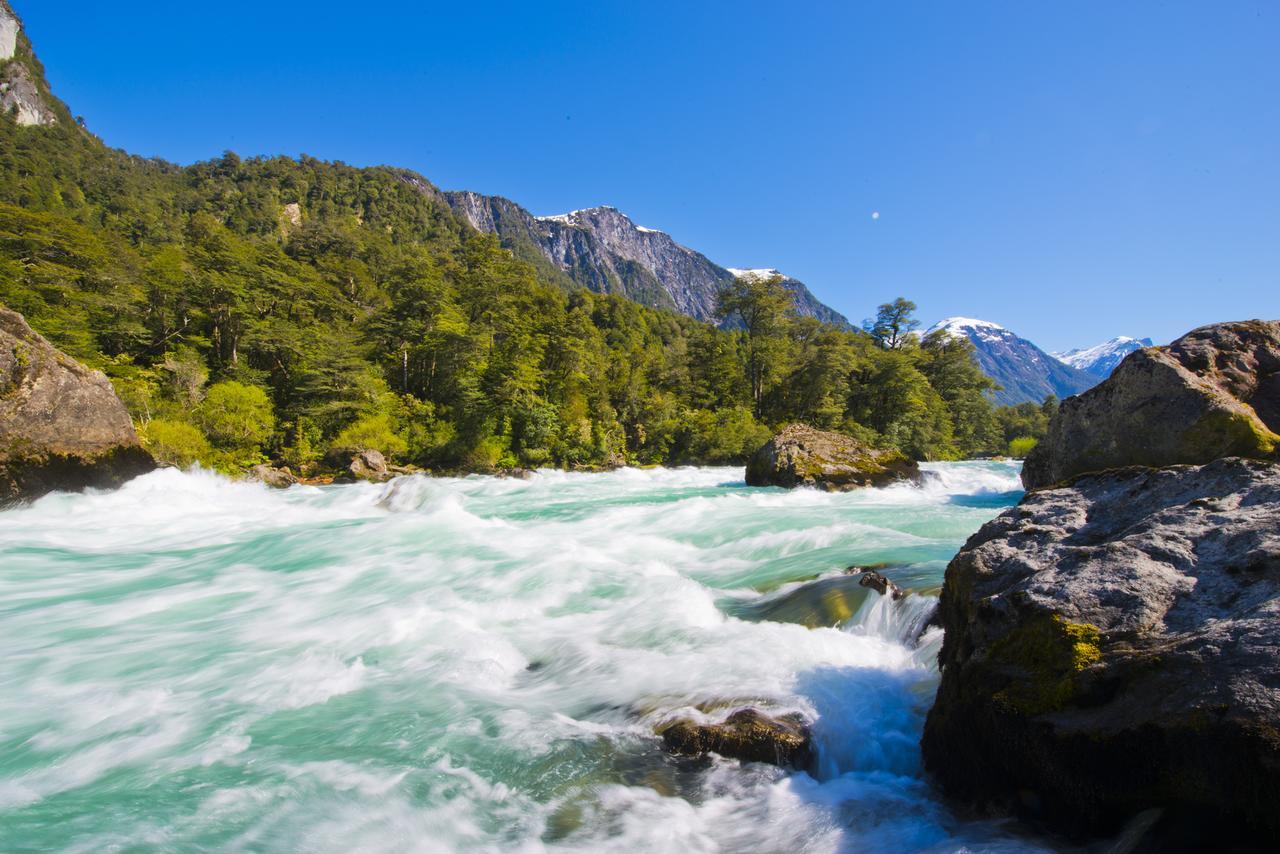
<point x="1114" y="646"/>
<point x="800" y="455"/>
<point x="1214" y="392"/>
<point x="61" y="425"/>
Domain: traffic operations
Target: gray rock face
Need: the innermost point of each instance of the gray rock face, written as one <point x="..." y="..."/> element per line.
<point x="61" y="425"/>
<point x="9" y="27"/>
<point x="799" y="455"/>
<point x="19" y="90"/>
<point x="1115" y="646"/>
<point x="602" y="250"/>
<point x="1214" y="392"/>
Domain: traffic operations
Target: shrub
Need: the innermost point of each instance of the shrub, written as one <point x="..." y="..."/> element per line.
<point x="235" y="415"/>
<point x="371" y="432"/>
<point x="175" y="443"/>
<point x="1021" y="446"/>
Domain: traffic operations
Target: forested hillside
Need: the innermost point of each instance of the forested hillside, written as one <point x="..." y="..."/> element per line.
<point x="271" y="308"/>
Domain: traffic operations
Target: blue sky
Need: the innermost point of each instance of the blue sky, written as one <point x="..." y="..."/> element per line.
<point x="1073" y="171"/>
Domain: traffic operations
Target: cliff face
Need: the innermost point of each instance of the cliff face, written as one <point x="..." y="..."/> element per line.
<point x="21" y="82"/>
<point x="602" y="250"/>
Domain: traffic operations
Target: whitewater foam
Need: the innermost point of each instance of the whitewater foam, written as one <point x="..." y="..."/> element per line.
<point x="465" y="663"/>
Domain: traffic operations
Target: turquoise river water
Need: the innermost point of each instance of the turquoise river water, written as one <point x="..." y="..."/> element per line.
<point x="475" y="664"/>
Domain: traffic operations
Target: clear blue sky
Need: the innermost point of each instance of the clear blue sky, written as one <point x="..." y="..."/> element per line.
<point x="1073" y="171"/>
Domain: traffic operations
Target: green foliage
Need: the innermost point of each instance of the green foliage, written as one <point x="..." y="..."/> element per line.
<point x="383" y="320"/>
<point x="893" y="324"/>
<point x="236" y="416"/>
<point x="374" y="432"/>
<point x="1021" y="446"/>
<point x="176" y="443"/>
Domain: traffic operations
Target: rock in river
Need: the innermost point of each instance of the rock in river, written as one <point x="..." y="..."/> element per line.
<point x="61" y="424"/>
<point x="802" y="456"/>
<point x="747" y="734"/>
<point x="1215" y="392"/>
<point x="1114" y="646"/>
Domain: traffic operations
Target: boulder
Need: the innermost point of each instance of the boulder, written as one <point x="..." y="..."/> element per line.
<point x="61" y="425"/>
<point x="802" y="456"/>
<point x="747" y="734"/>
<point x="1215" y="392"/>
<point x="1114" y="646"/>
<point x="360" y="464"/>
<point x="276" y="478"/>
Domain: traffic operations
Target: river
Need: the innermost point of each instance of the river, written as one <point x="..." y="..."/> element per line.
<point x="472" y="664"/>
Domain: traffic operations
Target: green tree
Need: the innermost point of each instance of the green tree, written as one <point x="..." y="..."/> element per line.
<point x="765" y="307"/>
<point x="893" y="324"/>
<point x="236" y="416"/>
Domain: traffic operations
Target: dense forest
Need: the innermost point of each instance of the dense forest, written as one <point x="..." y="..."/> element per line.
<point x="274" y="309"/>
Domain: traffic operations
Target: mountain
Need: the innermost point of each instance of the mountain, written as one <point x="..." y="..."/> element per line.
<point x="602" y="250"/>
<point x="23" y="91"/>
<point x="1101" y="359"/>
<point x="1024" y="371"/>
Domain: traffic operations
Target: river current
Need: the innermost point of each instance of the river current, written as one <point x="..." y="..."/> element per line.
<point x="473" y="664"/>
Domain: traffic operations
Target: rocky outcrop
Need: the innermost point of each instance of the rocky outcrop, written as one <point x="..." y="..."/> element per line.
<point x="61" y="425"/>
<point x="276" y="478"/>
<point x="747" y="734"/>
<point x="20" y="81"/>
<point x="360" y="464"/>
<point x="802" y="456"/>
<point x="9" y="28"/>
<point x="1214" y="392"/>
<point x="602" y="250"/>
<point x="1114" y="646"/>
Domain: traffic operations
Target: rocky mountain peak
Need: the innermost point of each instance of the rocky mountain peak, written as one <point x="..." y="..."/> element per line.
<point x="602" y="249"/>
<point x="23" y="93"/>
<point x="9" y="28"/>
<point x="1024" y="371"/>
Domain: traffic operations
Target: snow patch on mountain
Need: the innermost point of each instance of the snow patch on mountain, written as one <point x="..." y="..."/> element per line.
<point x="1101" y="359"/>
<point x="758" y="273"/>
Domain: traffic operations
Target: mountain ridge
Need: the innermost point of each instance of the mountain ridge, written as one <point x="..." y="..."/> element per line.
<point x="602" y="249"/>
<point x="1101" y="359"/>
<point x="1026" y="373"/>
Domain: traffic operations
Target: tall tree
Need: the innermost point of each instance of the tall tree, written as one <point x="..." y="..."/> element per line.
<point x="893" y="324"/>
<point x="766" y="308"/>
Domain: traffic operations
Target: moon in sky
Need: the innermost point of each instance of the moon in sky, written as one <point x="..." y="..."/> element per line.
<point x="875" y="214"/>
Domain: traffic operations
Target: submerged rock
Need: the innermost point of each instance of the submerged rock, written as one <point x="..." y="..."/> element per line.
<point x="277" y="478"/>
<point x="1114" y="646"/>
<point x="1215" y="392"/>
<point x="868" y="577"/>
<point x="747" y="734"/>
<point x="819" y="603"/>
<point x="802" y="456"/>
<point x="61" y="425"/>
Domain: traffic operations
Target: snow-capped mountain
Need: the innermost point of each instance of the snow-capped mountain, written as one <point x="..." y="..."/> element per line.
<point x="602" y="250"/>
<point x="1100" y="360"/>
<point x="1024" y="371"/>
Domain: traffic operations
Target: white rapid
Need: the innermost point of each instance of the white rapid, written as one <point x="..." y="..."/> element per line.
<point x="469" y="664"/>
